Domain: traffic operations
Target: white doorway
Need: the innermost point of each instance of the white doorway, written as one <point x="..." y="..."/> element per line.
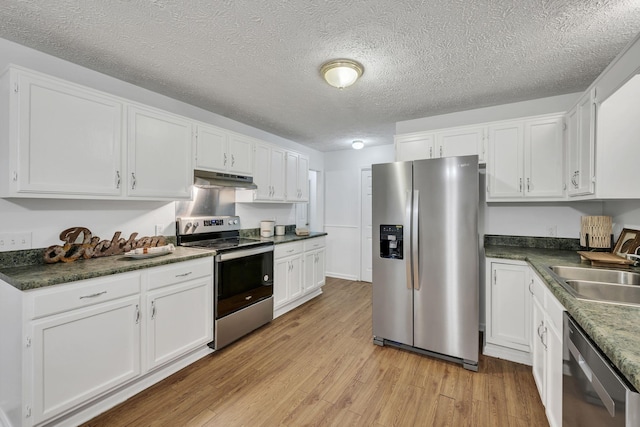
<point x="366" y="230"/>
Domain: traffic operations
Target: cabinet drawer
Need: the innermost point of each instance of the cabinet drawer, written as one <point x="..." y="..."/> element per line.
<point x="180" y="272"/>
<point x="314" y="243"/>
<point x="288" y="249"/>
<point x="84" y="293"/>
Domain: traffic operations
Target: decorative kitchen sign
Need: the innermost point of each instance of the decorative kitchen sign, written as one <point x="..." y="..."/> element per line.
<point x="93" y="247"/>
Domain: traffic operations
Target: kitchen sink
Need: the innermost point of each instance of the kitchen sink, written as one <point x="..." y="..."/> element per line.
<point x="594" y="284"/>
<point x="596" y="275"/>
<point x="606" y="292"/>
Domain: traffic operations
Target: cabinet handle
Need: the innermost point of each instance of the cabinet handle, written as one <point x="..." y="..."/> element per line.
<point x="137" y="316"/>
<point x="441" y="151"/>
<point x="528" y="185"/>
<point x="289" y="251"/>
<point x="233" y="160"/>
<point x="225" y="159"/>
<point x="133" y="180"/>
<point x="93" y="295"/>
<point x="540" y="326"/>
<point x="577" y="178"/>
<point x="184" y="274"/>
<point x="495" y="277"/>
<point x="542" y="338"/>
<point x="153" y="310"/>
<point x="521" y="185"/>
<point x="530" y="284"/>
<point x="117" y="179"/>
<point x="431" y="152"/>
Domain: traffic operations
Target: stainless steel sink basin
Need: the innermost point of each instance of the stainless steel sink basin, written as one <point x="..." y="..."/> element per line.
<point x="597" y="284"/>
<point x="597" y="275"/>
<point x="606" y="292"/>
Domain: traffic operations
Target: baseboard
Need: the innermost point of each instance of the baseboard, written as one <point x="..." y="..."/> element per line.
<point x="507" y="354"/>
<point x="108" y="401"/>
<point x="296" y="303"/>
<point x="342" y="276"/>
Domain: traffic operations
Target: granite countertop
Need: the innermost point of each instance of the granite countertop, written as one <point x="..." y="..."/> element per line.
<point x="288" y="238"/>
<point x="614" y="328"/>
<point x="35" y="276"/>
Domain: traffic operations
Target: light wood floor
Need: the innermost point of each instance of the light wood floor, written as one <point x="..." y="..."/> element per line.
<point x="317" y="365"/>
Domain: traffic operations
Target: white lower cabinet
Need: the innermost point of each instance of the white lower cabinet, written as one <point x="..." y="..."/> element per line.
<point x="83" y="353"/>
<point x="508" y="311"/>
<point x="546" y="347"/>
<point x="89" y="338"/>
<point x="524" y="325"/>
<point x="299" y="272"/>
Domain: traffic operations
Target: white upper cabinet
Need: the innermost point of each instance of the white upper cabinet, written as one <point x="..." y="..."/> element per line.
<point x="222" y="151"/>
<point x="414" y="147"/>
<point x="297" y="177"/>
<point x="159" y="154"/>
<point x="543" y="149"/>
<point x="526" y="160"/>
<point x="462" y="142"/>
<point x="505" y="162"/>
<point x="269" y="173"/>
<point x="59" y="139"/>
<point x="581" y="122"/>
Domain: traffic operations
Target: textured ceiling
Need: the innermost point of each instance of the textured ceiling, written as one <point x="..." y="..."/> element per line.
<point x="258" y="61"/>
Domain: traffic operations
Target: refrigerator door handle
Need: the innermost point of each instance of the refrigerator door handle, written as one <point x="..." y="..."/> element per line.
<point x="415" y="248"/>
<point x="407" y="221"/>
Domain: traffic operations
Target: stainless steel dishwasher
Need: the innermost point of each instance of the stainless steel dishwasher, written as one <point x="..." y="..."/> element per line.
<point x="593" y="392"/>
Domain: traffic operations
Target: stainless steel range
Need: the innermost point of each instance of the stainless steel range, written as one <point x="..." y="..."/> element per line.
<point x="243" y="274"/>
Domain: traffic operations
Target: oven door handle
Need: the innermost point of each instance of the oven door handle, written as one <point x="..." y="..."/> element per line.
<point x="241" y="253"/>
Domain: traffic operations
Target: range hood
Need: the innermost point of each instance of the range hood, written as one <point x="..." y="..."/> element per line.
<point x="207" y="179"/>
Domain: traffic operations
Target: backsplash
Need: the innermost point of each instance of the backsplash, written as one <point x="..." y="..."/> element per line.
<point x="533" y="242"/>
<point x="254" y="233"/>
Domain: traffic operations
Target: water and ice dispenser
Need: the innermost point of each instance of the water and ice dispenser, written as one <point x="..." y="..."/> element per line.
<point x="391" y="241"/>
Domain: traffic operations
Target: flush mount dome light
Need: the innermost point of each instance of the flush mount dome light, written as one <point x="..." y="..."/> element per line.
<point x="357" y="145"/>
<point x="341" y="73"/>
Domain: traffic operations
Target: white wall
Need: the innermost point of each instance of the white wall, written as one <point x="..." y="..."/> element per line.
<point x="625" y="213"/>
<point x="553" y="104"/>
<point x="342" y="206"/>
<point x="47" y="218"/>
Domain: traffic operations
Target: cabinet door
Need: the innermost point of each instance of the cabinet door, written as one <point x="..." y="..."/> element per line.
<point x="280" y="282"/>
<point x="309" y="271"/>
<point x="573" y="152"/>
<point x="277" y="174"/>
<point x="504" y="165"/>
<point x="460" y="142"/>
<point x="553" y="340"/>
<point x="303" y="179"/>
<point x="543" y="169"/>
<point x="415" y="147"/>
<point x="82" y="353"/>
<point x="240" y="150"/>
<point x="510" y="306"/>
<point x="586" y="111"/>
<point x="295" y="277"/>
<point x="211" y="149"/>
<point x="261" y="171"/>
<point x="69" y="138"/>
<point x="159" y="155"/>
<point x="291" y="166"/>
<point x="180" y="320"/>
<point x="320" y="268"/>
<point x="537" y="348"/>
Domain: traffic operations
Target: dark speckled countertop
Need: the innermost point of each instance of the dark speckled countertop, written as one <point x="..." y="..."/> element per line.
<point x="614" y="328"/>
<point x="35" y="276"/>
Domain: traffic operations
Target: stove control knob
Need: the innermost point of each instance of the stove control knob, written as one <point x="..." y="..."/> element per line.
<point x="230" y="222"/>
<point x="235" y="221"/>
<point x="195" y="225"/>
<point x="187" y="227"/>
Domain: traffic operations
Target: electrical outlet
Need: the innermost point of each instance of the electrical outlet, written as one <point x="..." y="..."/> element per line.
<point x="15" y="241"/>
<point x="159" y="230"/>
<point x="552" y="230"/>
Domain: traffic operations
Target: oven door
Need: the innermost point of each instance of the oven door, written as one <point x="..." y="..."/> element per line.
<point x="242" y="278"/>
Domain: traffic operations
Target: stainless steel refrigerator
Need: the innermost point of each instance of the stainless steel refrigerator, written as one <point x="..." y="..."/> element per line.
<point x="425" y="257"/>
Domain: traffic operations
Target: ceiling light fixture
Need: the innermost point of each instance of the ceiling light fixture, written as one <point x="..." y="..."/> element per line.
<point x="357" y="145"/>
<point x="341" y="73"/>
